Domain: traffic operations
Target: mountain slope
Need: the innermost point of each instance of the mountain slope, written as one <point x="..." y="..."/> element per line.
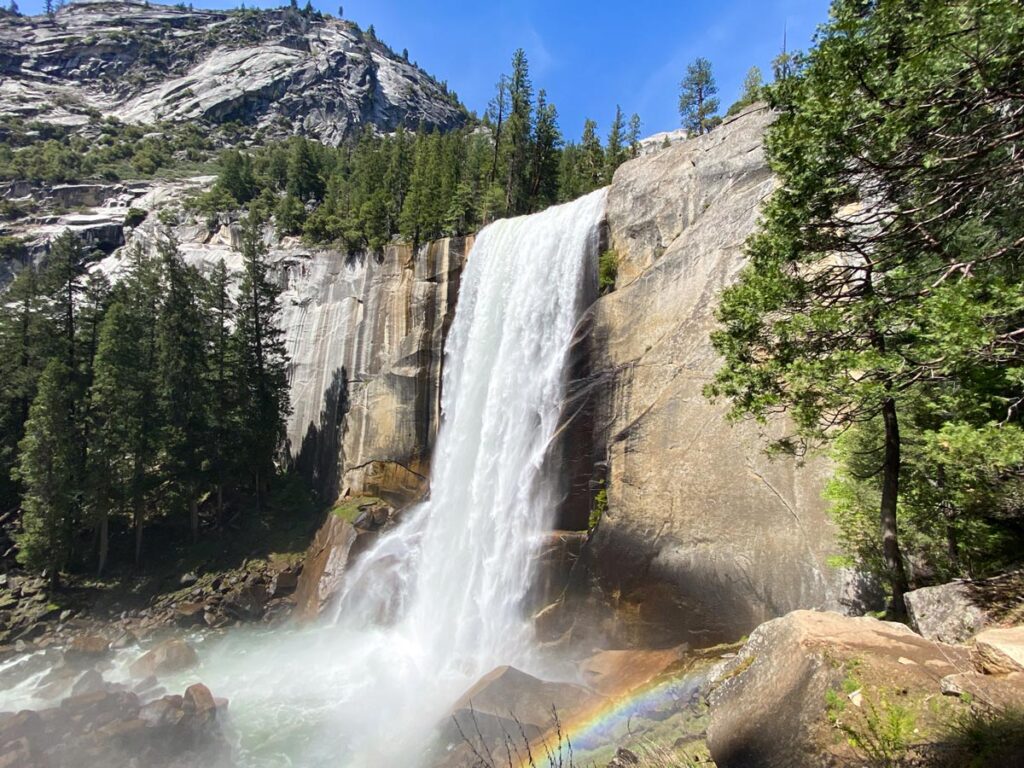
<point x="279" y="70"/>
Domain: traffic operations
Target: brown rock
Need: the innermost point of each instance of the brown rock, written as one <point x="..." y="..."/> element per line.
<point x="999" y="651"/>
<point x="324" y="567"/>
<point x="612" y="673"/>
<point x="198" y="699"/>
<point x="85" y="648"/>
<point x="170" y="656"/>
<point x="769" y="704"/>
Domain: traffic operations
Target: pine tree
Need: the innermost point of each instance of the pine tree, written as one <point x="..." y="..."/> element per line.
<point x="304" y="180"/>
<point x="517" y="134"/>
<point x="49" y="8"/>
<point x="262" y="360"/>
<point x="591" y="163"/>
<point x="614" y="153"/>
<point x="544" y="166"/>
<point x="753" y="85"/>
<point x="697" y="102"/>
<point x="221" y="415"/>
<point x="181" y="376"/>
<point x="633" y="136"/>
<point x="47" y="468"/>
<point x="25" y="343"/>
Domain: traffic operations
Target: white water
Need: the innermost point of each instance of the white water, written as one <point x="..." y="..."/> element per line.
<point x="436" y="603"/>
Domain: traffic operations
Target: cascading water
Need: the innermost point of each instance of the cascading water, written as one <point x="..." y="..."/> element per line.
<point x="453" y="576"/>
<point x="437" y="602"/>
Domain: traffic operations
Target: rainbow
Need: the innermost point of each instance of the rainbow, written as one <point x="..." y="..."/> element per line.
<point x="605" y="723"/>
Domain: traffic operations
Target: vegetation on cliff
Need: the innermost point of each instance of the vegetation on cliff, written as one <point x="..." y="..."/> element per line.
<point x="883" y="302"/>
<point x="154" y="395"/>
<point x="423" y="185"/>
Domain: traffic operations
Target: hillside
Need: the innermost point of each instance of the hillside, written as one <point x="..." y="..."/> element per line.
<point x="277" y="72"/>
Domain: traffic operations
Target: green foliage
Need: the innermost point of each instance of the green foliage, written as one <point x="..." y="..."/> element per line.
<point x="883" y="296"/>
<point x="155" y="400"/>
<point x="697" y="97"/>
<point x="49" y="467"/>
<point x="607" y="271"/>
<point x="753" y="86"/>
<point x="598" y="509"/>
<point x="983" y="739"/>
<point x="45" y="152"/>
<point x="134" y="217"/>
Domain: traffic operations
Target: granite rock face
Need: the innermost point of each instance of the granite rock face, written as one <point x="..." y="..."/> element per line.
<point x="704" y="537"/>
<point x="777" y="703"/>
<point x="278" y="70"/>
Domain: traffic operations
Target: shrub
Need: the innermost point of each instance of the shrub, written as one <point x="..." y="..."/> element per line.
<point x="134" y="217"/>
<point x="607" y="271"/>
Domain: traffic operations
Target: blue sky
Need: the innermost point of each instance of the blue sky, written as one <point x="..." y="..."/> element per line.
<point x="589" y="56"/>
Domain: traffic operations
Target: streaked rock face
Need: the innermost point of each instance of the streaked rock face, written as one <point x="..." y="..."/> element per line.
<point x="704" y="536"/>
<point x="277" y="70"/>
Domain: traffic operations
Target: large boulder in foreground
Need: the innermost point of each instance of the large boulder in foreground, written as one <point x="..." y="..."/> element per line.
<point x="704" y="536"/>
<point x="999" y="651"/>
<point x="324" y="567"/>
<point x="803" y="682"/>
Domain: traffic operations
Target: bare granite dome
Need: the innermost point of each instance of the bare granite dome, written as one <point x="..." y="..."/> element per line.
<point x="280" y="70"/>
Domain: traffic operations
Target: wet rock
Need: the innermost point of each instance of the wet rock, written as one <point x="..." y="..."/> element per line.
<point x="87" y="648"/>
<point x="188" y="579"/>
<point x="247" y="602"/>
<point x="507" y="700"/>
<point x="188" y="614"/>
<point x="285" y="582"/>
<point x="90" y="682"/>
<point x="612" y="672"/>
<point x="324" y="567"/>
<point x="168" y="657"/>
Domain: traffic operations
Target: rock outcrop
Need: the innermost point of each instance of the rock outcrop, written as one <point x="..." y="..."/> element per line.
<point x="803" y="681"/>
<point x="280" y="71"/>
<point x="704" y="537"/>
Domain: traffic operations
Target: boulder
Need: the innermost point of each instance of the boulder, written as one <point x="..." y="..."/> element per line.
<point x="704" y="536"/>
<point x="947" y="612"/>
<point x="166" y="658"/>
<point x="777" y="703"/>
<point x="324" y="567"/>
<point x="509" y="702"/>
<point x="87" y="648"/>
<point x="999" y="651"/>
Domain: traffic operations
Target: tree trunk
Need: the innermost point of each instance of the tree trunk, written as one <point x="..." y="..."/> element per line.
<point x="193" y="510"/>
<point x="890" y="494"/>
<point x="104" y="543"/>
<point x="137" y="521"/>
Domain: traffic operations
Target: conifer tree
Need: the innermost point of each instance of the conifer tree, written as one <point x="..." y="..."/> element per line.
<point x="181" y="376"/>
<point x="633" y="136"/>
<point x="697" y="97"/>
<point x="222" y="414"/>
<point x="47" y="468"/>
<point x="304" y="180"/>
<point x="262" y="361"/>
<point x="547" y="140"/>
<point x="517" y="134"/>
<point x="24" y="346"/>
<point x="615" y="151"/>
<point x="592" y="163"/>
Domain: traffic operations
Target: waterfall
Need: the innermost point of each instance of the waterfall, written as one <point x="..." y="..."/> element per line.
<point x="452" y="577"/>
<point x="436" y="603"/>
